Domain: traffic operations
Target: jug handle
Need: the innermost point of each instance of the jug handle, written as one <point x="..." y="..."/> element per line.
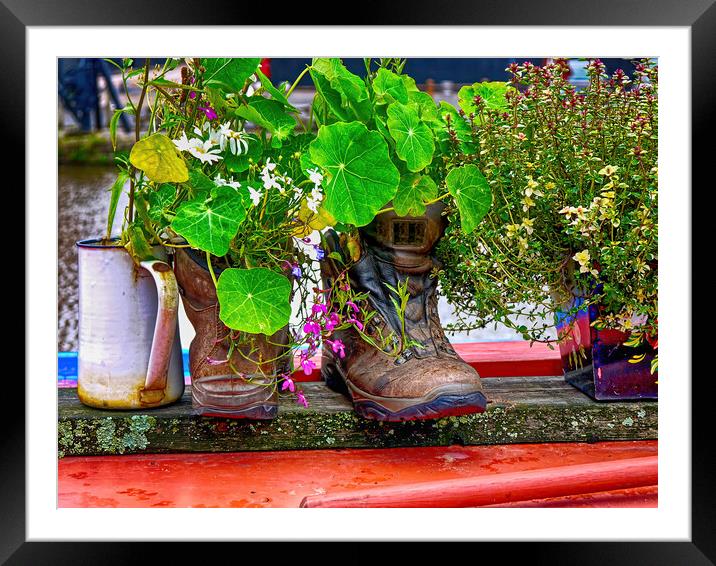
<point x="164" y="331"/>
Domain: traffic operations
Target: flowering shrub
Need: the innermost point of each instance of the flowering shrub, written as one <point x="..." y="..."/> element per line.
<point x="574" y="179"/>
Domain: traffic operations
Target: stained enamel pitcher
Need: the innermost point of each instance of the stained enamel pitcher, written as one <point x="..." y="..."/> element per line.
<point x="129" y="351"/>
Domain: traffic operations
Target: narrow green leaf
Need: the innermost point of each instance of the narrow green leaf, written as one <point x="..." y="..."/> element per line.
<point x="115" y="192"/>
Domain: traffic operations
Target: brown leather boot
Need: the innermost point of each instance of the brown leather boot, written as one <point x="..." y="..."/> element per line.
<point x="422" y="382"/>
<point x="216" y="388"/>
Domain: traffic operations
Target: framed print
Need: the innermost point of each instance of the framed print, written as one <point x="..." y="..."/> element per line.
<point x="680" y="36"/>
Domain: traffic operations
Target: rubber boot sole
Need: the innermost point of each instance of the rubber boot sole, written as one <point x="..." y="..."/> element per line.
<point x="442" y="402"/>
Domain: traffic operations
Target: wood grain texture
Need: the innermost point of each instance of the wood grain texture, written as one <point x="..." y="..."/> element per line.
<point x="522" y="410"/>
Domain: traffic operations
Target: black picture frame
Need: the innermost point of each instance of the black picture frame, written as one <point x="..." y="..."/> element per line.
<point x="698" y="15"/>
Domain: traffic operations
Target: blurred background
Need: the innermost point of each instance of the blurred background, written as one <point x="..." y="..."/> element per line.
<point x="89" y="90"/>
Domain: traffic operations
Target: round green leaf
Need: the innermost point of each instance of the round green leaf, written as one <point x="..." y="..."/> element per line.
<point x="413" y="192"/>
<point x="254" y="300"/>
<point x="492" y="94"/>
<point x="159" y="159"/>
<point x="414" y="142"/>
<point x="211" y="224"/>
<point x="268" y="114"/>
<point x="389" y="87"/>
<point x="360" y="176"/>
<point x="472" y="194"/>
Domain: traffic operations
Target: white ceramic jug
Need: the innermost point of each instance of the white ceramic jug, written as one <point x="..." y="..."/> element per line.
<point x="129" y="351"/>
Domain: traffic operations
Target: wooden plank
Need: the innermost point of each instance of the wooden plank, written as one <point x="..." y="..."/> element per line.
<point x="558" y="481"/>
<point x="533" y="409"/>
<point x="284" y="478"/>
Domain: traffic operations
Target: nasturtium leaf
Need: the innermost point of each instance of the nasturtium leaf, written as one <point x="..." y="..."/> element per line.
<point x="200" y="184"/>
<point x="389" y="87"/>
<point x="472" y="195"/>
<point x="230" y="73"/>
<point x="492" y="94"/>
<point x="413" y="192"/>
<point x="424" y="105"/>
<point x="344" y="93"/>
<point x="254" y="300"/>
<point x="240" y="163"/>
<point x="409" y="83"/>
<point x="312" y="220"/>
<point x="268" y="114"/>
<point x="414" y="142"/>
<point x="359" y="176"/>
<point x="159" y="159"/>
<point x="275" y="93"/>
<point x="159" y="201"/>
<point x="210" y="224"/>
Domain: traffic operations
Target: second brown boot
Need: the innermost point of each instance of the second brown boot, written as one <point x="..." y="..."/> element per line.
<point x="425" y="379"/>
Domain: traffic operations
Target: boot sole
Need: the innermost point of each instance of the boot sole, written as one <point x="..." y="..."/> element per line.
<point x="442" y="402"/>
<point x="257" y="412"/>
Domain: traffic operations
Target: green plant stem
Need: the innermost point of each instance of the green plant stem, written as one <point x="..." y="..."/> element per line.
<point x="211" y="269"/>
<point x="298" y="80"/>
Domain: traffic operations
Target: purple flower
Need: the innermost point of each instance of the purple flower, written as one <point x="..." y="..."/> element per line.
<point x="300" y="399"/>
<point x="319" y="307"/>
<point x="308" y="366"/>
<point x="192" y="95"/>
<point x="288" y="384"/>
<point x="209" y="112"/>
<point x="338" y="347"/>
<point x="296" y="270"/>
<point x="312" y="328"/>
<point x="320" y="254"/>
<point x="352" y="305"/>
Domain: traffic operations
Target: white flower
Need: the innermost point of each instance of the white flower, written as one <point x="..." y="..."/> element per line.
<point x="236" y="139"/>
<point x="255" y="195"/>
<point x="233" y="184"/>
<point x="315" y="177"/>
<point x="313" y="201"/>
<point x="184" y="143"/>
<point x="218" y="181"/>
<point x="205" y="153"/>
<point x="269" y="166"/>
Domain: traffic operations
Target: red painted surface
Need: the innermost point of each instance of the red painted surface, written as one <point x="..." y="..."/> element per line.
<point x="501" y="488"/>
<point x="283" y="479"/>
<point x="490" y="359"/>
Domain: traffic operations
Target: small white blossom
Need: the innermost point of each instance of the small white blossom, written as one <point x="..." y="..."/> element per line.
<point x="204" y="152"/>
<point x="255" y="195"/>
<point x="315" y="177"/>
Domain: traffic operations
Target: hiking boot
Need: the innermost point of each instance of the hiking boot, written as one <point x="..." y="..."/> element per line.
<point x="217" y="389"/>
<point x="425" y="379"/>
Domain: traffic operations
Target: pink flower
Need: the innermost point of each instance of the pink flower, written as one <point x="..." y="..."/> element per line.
<point x="332" y="322"/>
<point x="308" y="366"/>
<point x="358" y="324"/>
<point x="352" y="305"/>
<point x="338" y="347"/>
<point x="213" y="362"/>
<point x="319" y="307"/>
<point x="288" y="384"/>
<point x="312" y="328"/>
<point x="300" y="399"/>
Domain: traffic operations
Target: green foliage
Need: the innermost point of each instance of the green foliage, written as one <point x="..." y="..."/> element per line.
<point x="413" y="191"/>
<point x="210" y="224"/>
<point x="361" y="176"/>
<point x="159" y="159"/>
<point x="229" y="74"/>
<point x="414" y="142"/>
<point x="472" y="195"/>
<point x="268" y="114"/>
<point x="254" y="300"/>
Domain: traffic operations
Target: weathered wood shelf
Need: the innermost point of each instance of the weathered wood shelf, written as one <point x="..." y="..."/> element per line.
<point x="522" y="410"/>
